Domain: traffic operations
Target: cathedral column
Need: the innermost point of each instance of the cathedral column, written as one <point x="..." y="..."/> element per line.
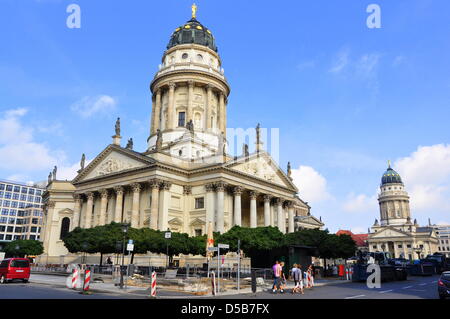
<point x="237" y="191"/>
<point x="189" y="116"/>
<point x="103" y="202"/>
<point x="208" y="106"/>
<point x="154" y="185"/>
<point x="76" y="211"/>
<point x="291" y="217"/>
<point x="171" y="106"/>
<point x="279" y="204"/>
<point x="223" y="115"/>
<point x="220" y="188"/>
<point x="135" y="205"/>
<point x="119" y="203"/>
<point x="157" y="112"/>
<point x="187" y="192"/>
<point x="210" y="205"/>
<point x="253" y="212"/>
<point x="89" y="207"/>
<point x="267" y="221"/>
<point x="163" y="217"/>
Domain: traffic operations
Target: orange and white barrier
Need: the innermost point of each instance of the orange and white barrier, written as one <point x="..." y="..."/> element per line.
<point x="153" y="288"/>
<point x="87" y="280"/>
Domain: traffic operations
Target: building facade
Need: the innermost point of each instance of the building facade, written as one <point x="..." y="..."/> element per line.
<point x="186" y="178"/>
<point x="443" y="234"/>
<point x="20" y="211"/>
<point x="395" y="232"/>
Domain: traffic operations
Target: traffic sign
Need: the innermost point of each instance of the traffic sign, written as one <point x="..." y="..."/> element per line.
<point x="130" y="241"/>
<point x="130" y="247"/>
<point x="212" y="249"/>
<point x="168" y="235"/>
<point x="223" y="246"/>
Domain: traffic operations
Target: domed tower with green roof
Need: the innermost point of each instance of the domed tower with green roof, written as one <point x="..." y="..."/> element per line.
<point x="393" y="199"/>
<point x="189" y="95"/>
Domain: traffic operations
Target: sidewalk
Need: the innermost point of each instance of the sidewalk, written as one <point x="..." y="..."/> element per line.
<point x="59" y="281"/>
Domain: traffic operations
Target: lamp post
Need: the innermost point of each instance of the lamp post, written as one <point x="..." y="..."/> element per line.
<point x="124" y="231"/>
<point x="167" y="235"/>
<point x="17" y="248"/>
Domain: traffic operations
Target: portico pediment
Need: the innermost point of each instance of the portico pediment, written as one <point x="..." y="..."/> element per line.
<point x="261" y="166"/>
<point x="198" y="222"/>
<point x="176" y="221"/>
<point x="308" y="220"/>
<point x="112" y="160"/>
<point x="389" y="232"/>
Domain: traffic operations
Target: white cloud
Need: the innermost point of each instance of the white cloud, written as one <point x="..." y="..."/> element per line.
<point x="341" y="61"/>
<point x="91" y="105"/>
<point x="360" y="204"/>
<point x="18" y="149"/>
<point x="23" y="156"/>
<point x="367" y="65"/>
<point x="426" y="174"/>
<point x="312" y="186"/>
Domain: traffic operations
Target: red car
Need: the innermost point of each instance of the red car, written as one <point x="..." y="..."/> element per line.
<point x="14" y="268"/>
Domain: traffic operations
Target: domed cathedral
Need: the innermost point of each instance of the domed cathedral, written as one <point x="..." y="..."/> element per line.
<point x="190" y="91"/>
<point x="185" y="180"/>
<point x="395" y="232"/>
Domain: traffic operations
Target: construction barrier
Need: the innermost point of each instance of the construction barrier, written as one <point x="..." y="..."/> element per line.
<point x="75" y="276"/>
<point x="153" y="282"/>
<point x="87" y="279"/>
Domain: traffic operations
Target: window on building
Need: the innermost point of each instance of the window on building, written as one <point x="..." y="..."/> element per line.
<point x="14" y="204"/>
<point x="5" y="212"/>
<point x="18" y="230"/>
<point x="31" y="198"/>
<point x="31" y="191"/>
<point x="38" y="193"/>
<point x="2" y="187"/>
<point x="23" y="197"/>
<point x="16" y="237"/>
<point x="8" y="237"/>
<point x="24" y="190"/>
<point x="400" y="246"/>
<point x="12" y="212"/>
<point x="11" y="221"/>
<point x="32" y="237"/>
<point x="181" y="119"/>
<point x="2" y="237"/>
<point x="35" y="221"/>
<point x="3" y="220"/>
<point x="9" y="188"/>
<point x="2" y="194"/>
<point x="33" y="229"/>
<point x="8" y="195"/>
<point x="374" y="247"/>
<point x="2" y="228"/>
<point x="200" y="203"/>
<point x="198" y="232"/>
<point x="10" y="229"/>
<point x="16" y="196"/>
<point x="408" y="246"/>
<point x="6" y="203"/>
<point x="65" y="227"/>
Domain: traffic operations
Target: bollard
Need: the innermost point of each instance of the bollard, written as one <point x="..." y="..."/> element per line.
<point x="75" y="278"/>
<point x="213" y="283"/>
<point x="87" y="279"/>
<point x="153" y="283"/>
<point x="254" y="281"/>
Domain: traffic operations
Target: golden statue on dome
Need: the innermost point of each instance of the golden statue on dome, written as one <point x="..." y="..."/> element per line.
<point x="194" y="11"/>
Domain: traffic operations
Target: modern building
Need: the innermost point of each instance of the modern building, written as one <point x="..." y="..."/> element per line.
<point x="20" y="211"/>
<point x="396" y="233"/>
<point x="443" y="234"/>
<point x="186" y="178"/>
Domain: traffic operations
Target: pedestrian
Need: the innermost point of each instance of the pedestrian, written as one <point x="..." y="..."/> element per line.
<point x="298" y="280"/>
<point x="282" y="278"/>
<point x="311" y="280"/>
<point x="276" y="275"/>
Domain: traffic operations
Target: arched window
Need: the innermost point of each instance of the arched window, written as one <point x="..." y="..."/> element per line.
<point x="65" y="227"/>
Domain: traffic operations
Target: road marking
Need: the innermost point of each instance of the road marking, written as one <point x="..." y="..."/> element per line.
<point x="433" y="282"/>
<point x="407" y="287"/>
<point x="355" y="297"/>
<point x="423" y="284"/>
<point x="382" y="292"/>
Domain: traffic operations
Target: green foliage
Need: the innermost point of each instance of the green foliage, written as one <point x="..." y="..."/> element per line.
<point x="252" y="239"/>
<point x="22" y="248"/>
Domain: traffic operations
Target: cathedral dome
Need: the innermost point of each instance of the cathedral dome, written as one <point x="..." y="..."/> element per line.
<point x="391" y="176"/>
<point x="192" y="32"/>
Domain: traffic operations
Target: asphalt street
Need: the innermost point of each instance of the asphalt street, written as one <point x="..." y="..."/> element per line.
<point x="413" y="288"/>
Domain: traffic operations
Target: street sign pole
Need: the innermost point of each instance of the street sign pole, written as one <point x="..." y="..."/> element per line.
<point x="239" y="266"/>
<point x="218" y="269"/>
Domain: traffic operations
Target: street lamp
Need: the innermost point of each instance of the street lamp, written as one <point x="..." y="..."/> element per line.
<point x="124" y="231"/>
<point x="167" y="235"/>
<point x="84" y="245"/>
<point x="17" y="249"/>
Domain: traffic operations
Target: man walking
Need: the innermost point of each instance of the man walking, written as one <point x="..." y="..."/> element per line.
<point x="276" y="275"/>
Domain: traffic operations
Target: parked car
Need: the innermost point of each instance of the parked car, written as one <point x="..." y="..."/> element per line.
<point x="14" y="269"/>
<point x="444" y="285"/>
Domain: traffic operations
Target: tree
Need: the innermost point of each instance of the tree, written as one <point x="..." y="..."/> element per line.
<point x="22" y="248"/>
<point x="346" y="246"/>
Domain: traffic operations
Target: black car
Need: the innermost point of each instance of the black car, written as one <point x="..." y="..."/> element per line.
<point x="444" y="285"/>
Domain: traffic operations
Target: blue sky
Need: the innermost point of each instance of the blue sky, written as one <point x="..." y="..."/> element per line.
<point x="345" y="97"/>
